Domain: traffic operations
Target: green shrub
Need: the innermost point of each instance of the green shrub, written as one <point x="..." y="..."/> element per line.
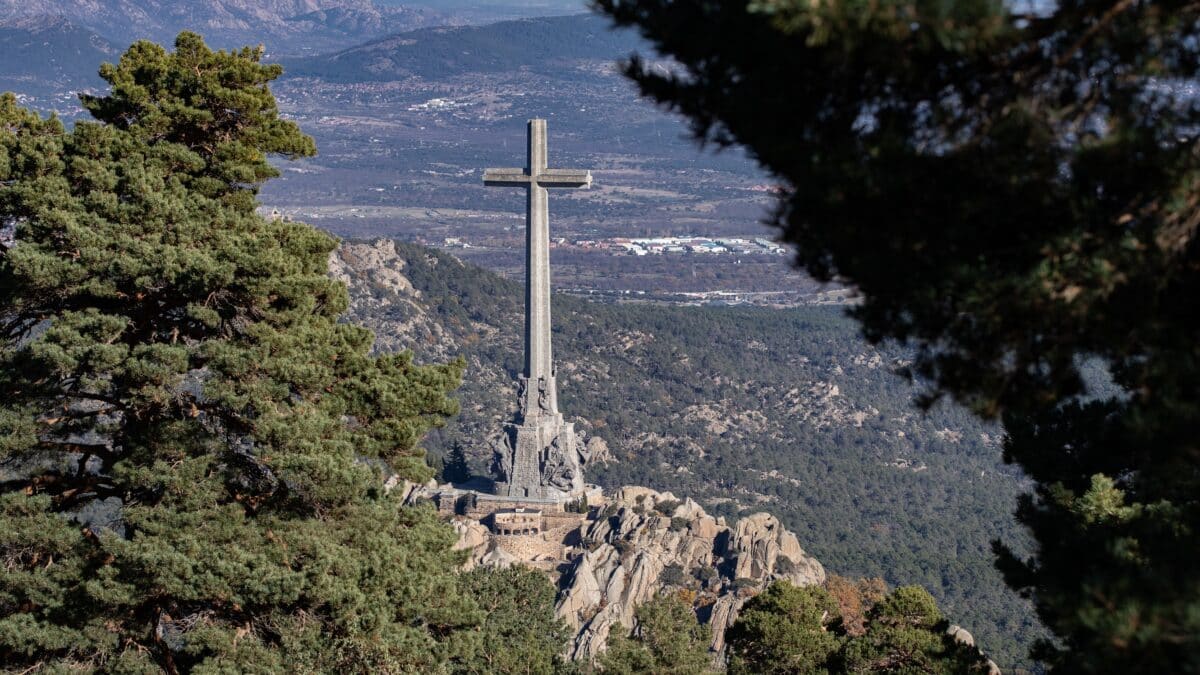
<point x="667" y="507"/>
<point x="672" y="575"/>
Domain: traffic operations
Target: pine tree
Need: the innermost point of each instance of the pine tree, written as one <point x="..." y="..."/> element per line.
<point x="520" y="633"/>
<point x="906" y="633"/>
<point x="790" y="629"/>
<point x="667" y="640"/>
<point x="1012" y="189"/>
<point x="455" y="468"/>
<point x="192" y="447"/>
<point x="785" y="629"/>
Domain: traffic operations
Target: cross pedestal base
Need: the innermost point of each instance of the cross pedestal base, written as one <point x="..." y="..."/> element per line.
<point x="538" y="459"/>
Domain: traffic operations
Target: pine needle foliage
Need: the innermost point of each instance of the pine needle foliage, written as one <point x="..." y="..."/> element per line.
<point x="790" y="629"/>
<point x="192" y="447"/>
<point x="1012" y="188"/>
<point x="906" y="633"/>
<point x="520" y="633"/>
<point x="667" y="640"/>
<point x="785" y="629"/>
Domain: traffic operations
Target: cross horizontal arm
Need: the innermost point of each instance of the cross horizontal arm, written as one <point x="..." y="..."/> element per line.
<point x="506" y="177"/>
<point x="564" y="178"/>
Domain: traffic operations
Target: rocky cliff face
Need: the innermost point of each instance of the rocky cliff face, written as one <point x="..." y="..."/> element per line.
<point x="644" y="543"/>
<point x="652" y="543"/>
<point x="383" y="299"/>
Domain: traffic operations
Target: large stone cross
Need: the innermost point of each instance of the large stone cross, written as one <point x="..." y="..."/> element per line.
<point x="540" y="396"/>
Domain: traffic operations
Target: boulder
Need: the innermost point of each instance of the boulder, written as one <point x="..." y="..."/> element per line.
<point x="961" y="636"/>
<point x="473" y="537"/>
<point x="724" y="613"/>
<point x="497" y="557"/>
<point x="626" y="554"/>
<point x="597" y="451"/>
<point x="581" y="593"/>
<point x="761" y="548"/>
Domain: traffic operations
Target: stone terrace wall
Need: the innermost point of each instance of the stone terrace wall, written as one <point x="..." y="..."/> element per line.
<point x="562" y="521"/>
<point x="533" y="547"/>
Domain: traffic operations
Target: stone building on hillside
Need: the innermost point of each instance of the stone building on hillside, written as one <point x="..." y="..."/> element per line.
<point x="518" y="521"/>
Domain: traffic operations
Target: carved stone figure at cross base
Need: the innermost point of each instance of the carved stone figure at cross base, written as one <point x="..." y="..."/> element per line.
<point x="537" y="455"/>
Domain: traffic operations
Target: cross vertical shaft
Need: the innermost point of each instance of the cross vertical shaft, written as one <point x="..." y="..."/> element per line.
<point x="540" y="391"/>
<point x="539" y="359"/>
<point x="537" y="457"/>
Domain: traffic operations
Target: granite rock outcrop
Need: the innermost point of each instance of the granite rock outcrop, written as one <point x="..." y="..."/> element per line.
<point x="642" y="543"/>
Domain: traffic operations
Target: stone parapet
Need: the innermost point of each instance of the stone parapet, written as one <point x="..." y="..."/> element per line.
<point x="518" y="521"/>
<point x="452" y="501"/>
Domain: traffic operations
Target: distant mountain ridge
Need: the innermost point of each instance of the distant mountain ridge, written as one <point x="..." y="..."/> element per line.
<point x="47" y="54"/>
<point x="55" y="48"/>
<point x="543" y="43"/>
<point x="52" y="48"/>
<point x="285" y="26"/>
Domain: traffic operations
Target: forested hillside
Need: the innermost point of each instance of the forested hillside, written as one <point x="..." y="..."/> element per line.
<point x="740" y="409"/>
